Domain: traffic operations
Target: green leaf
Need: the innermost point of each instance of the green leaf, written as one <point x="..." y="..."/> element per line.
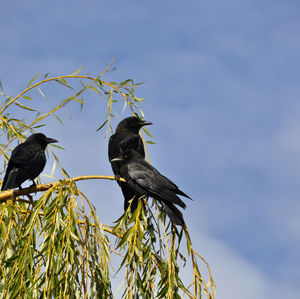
<point x="31" y="81"/>
<point x="139" y="100"/>
<point x="78" y="71"/>
<point x="79" y="100"/>
<point x="94" y="89"/>
<point x="23" y="106"/>
<point x="147" y="132"/>
<point x="41" y="93"/>
<point x="26" y="98"/>
<point x="53" y="168"/>
<point x="125" y="237"/>
<point x="64" y="171"/>
<point x="39" y="126"/>
<point x="32" y="220"/>
<point x="74" y="236"/>
<point x="101" y="126"/>
<point x="126" y="82"/>
<point x="63" y="82"/>
<point x="57" y="146"/>
<point x="60" y="121"/>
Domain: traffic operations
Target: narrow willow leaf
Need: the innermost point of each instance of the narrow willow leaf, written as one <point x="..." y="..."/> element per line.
<point x="39" y="126"/>
<point x="64" y="82"/>
<point x="94" y="89"/>
<point x="139" y="83"/>
<point x="7" y="100"/>
<point x="99" y="82"/>
<point x="124" y="107"/>
<point x="41" y="92"/>
<point x="53" y="168"/>
<point x="47" y="176"/>
<point x="78" y="71"/>
<point x="79" y="100"/>
<point x="32" y="80"/>
<point x="126" y="82"/>
<point x="139" y="100"/>
<point x="60" y="121"/>
<point x="23" y="106"/>
<point x="64" y="171"/>
<point x="31" y="223"/>
<point x="101" y="126"/>
<point x="147" y="132"/>
<point x="150" y="142"/>
<point x="74" y="236"/>
<point x="26" y="98"/>
<point x="125" y="237"/>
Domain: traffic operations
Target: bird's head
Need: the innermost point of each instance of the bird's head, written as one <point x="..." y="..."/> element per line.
<point x="132" y="124"/>
<point x="41" y="139"/>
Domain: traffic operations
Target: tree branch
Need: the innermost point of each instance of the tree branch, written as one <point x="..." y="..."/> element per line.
<point x="13" y="194"/>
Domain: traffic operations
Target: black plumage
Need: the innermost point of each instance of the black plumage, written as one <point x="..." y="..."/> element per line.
<point x="144" y="180"/>
<point x="27" y="161"/>
<point x="126" y="137"/>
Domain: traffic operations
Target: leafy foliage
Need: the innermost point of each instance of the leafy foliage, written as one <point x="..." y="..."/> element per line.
<point x="57" y="247"/>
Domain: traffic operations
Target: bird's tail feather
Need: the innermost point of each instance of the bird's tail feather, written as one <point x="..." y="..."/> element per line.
<point x="9" y="181"/>
<point x="174" y="214"/>
<point x="170" y="196"/>
<point x="178" y="191"/>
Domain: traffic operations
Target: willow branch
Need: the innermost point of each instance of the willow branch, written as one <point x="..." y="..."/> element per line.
<point x="13" y="194"/>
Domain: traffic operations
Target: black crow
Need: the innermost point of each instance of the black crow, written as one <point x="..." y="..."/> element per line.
<point x="126" y="137"/>
<point x="144" y="180"/>
<point x="27" y="161"/>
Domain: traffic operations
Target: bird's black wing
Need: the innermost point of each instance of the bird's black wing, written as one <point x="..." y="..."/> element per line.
<point x="30" y="156"/>
<point x="152" y="182"/>
<point x="175" y="188"/>
<point x="27" y="161"/>
<point x="146" y="180"/>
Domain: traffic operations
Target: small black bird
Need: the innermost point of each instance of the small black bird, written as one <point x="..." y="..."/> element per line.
<point x="126" y="137"/>
<point x="144" y="179"/>
<point x="27" y="161"/>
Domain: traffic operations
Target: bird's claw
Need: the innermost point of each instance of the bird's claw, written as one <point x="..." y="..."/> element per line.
<point x="33" y="184"/>
<point x="30" y="199"/>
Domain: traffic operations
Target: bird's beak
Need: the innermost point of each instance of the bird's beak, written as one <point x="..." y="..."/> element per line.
<point x="146" y="123"/>
<point x="51" y="140"/>
<point x="118" y="159"/>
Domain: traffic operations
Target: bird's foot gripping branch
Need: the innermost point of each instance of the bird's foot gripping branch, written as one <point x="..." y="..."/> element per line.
<point x="58" y="247"/>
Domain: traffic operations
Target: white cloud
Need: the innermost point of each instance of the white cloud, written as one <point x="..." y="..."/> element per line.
<point x="236" y="278"/>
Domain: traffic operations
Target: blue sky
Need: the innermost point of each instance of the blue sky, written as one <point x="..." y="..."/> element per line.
<point x="222" y="89"/>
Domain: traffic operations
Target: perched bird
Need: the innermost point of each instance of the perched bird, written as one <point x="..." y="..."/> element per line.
<point x="27" y="161"/>
<point x="144" y="180"/>
<point x="126" y="137"/>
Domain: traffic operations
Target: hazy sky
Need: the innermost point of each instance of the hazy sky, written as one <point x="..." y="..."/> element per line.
<point x="222" y="89"/>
